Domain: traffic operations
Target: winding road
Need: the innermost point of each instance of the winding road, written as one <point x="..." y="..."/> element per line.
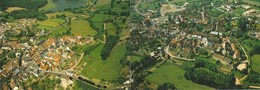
<point x="136" y="8"/>
<point x="167" y="52"/>
<point x="50" y="31"/>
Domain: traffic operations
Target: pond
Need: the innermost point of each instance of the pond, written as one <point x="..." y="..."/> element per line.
<point x="64" y="4"/>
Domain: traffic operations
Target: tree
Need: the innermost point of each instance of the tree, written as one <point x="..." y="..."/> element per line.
<point x="166" y="86"/>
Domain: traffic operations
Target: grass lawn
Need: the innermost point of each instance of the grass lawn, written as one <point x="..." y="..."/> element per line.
<point x="239" y="11"/>
<point x="111" y="28"/>
<point x="256" y="63"/>
<point x="173" y="73"/>
<point x="108" y="69"/>
<point x="210" y="59"/>
<point x="100" y="17"/>
<point x="135" y="58"/>
<point x="103" y="2"/>
<point x="10" y="9"/>
<point x="48" y="6"/>
<point x="82" y="27"/>
<point x="52" y="22"/>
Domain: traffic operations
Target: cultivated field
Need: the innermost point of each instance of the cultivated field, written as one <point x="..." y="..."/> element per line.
<point x="103" y="2"/>
<point x="172" y="73"/>
<point x="82" y="27"/>
<point x="50" y="23"/>
<point x="48" y="6"/>
<point x="100" y="17"/>
<point x="66" y="13"/>
<point x="111" y="67"/>
<point x="10" y="9"/>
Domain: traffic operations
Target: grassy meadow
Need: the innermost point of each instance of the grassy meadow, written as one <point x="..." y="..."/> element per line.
<point x="48" y="6"/>
<point x="173" y="73"/>
<point x="96" y="67"/>
<point x="82" y="27"/>
<point x="256" y="63"/>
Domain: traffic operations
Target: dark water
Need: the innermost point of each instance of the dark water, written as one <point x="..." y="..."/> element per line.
<point x="64" y="4"/>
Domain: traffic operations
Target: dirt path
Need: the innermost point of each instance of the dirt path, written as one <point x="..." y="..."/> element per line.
<point x="77" y="62"/>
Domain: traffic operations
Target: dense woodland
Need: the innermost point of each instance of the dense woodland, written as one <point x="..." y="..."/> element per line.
<point x="206" y="73"/>
<point x="110" y="43"/>
<point x="28" y="14"/>
<point x="28" y="4"/>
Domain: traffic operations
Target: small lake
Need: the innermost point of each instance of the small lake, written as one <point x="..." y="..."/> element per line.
<point x="64" y="4"/>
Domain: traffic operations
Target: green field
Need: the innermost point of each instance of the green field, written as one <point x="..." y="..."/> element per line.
<point x="48" y="6"/>
<point x="82" y="27"/>
<point x="111" y="28"/>
<point x="66" y="13"/>
<point x="79" y="85"/>
<point x="256" y="63"/>
<point x="108" y="69"/>
<point x="239" y="11"/>
<point x="50" y="23"/>
<point x="150" y="6"/>
<point x="103" y="2"/>
<point x="172" y="73"/>
<point x="100" y="17"/>
<point x="58" y="32"/>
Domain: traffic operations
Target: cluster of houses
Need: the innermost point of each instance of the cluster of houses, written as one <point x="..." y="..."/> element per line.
<point x="221" y="47"/>
<point x="54" y="52"/>
<point x="51" y="54"/>
<point x="17" y="26"/>
<point x="232" y="7"/>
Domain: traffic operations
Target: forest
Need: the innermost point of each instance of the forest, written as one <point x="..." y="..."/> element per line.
<point x="28" y="4"/>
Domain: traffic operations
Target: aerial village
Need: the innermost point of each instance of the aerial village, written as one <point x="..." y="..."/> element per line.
<point x="50" y="54"/>
<point x="189" y="31"/>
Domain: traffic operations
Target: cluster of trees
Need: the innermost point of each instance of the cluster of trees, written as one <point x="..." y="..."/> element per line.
<point x="24" y="33"/>
<point x="139" y="68"/>
<point x="253" y="77"/>
<point x="3" y="58"/>
<point x="89" y="49"/>
<point x="206" y="73"/>
<point x="144" y="63"/>
<point x="46" y="84"/>
<point x="166" y="86"/>
<point x="29" y="4"/>
<point x="110" y="43"/>
<point x="90" y="82"/>
<point x="18" y="14"/>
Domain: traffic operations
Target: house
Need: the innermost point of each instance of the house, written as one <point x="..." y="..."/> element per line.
<point x="246" y="7"/>
<point x="205" y="41"/>
<point x="6" y="46"/>
<point x="249" y="12"/>
<point x="216" y="33"/>
<point x="241" y="66"/>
